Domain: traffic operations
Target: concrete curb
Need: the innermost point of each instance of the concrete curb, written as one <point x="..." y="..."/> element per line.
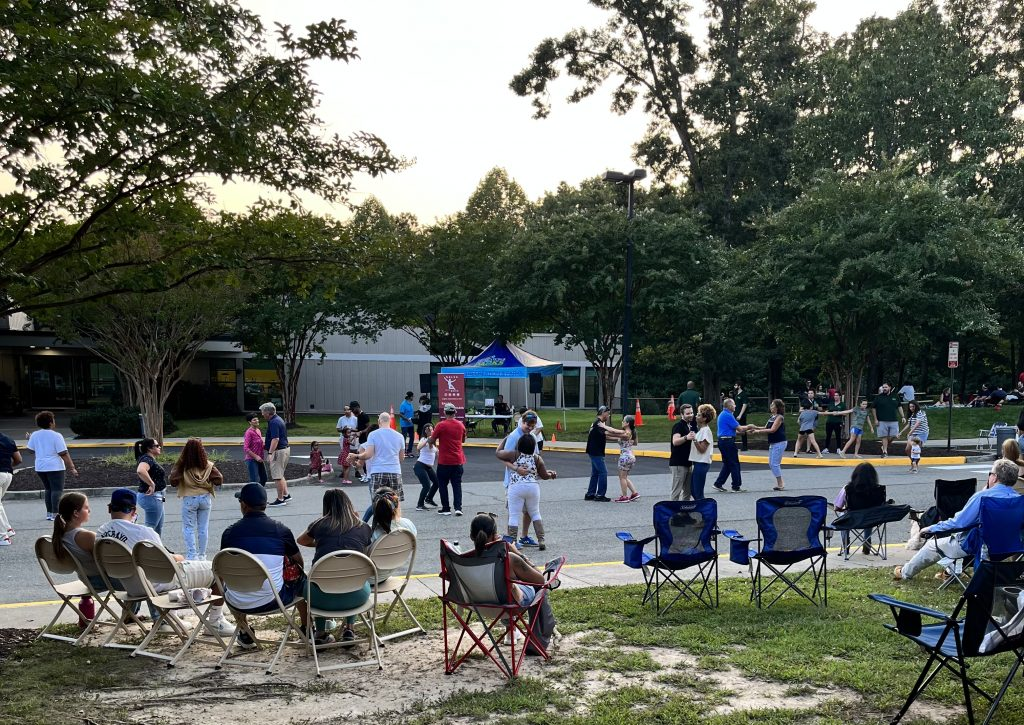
<point x="104" y="490"/>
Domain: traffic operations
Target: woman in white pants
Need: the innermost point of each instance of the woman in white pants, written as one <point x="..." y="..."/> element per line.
<point x="523" y="490"/>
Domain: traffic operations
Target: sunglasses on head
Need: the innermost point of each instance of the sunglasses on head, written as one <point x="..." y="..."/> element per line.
<point x="487" y="513"/>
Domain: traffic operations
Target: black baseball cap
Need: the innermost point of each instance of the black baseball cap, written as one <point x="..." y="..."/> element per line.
<point x="354" y="404"/>
<point x="252" y="494"/>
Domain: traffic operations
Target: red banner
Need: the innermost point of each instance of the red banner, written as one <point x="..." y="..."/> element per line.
<point x="451" y="388"/>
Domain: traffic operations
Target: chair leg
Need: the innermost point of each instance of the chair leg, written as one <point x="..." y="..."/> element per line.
<point x="1002" y="690"/>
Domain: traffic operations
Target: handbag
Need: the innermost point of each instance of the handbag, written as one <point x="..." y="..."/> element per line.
<point x="326" y="467"/>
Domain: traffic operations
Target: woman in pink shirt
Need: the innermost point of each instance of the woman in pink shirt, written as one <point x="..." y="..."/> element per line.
<point x="253" y="446"/>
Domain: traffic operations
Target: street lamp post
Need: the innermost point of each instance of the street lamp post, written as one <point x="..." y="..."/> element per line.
<point x="617" y="177"/>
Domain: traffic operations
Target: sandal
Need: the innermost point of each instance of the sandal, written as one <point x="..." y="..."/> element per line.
<point x="778" y="488"/>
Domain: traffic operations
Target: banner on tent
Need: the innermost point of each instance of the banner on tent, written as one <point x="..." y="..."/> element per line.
<point x="451" y="388"/>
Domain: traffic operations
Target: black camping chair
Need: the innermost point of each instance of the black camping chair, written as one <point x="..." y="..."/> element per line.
<point x="791" y="532"/>
<point x="950" y="497"/>
<point x="994" y="623"/>
<point x="867" y="513"/>
<point x="685" y="537"/>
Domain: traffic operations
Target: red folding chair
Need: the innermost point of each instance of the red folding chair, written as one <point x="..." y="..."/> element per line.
<point x="480" y="590"/>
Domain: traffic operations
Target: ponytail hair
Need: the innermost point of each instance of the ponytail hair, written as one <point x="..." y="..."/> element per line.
<point x="142" y="447"/>
<point x="385" y="504"/>
<point x="66" y="508"/>
<point x="482" y="530"/>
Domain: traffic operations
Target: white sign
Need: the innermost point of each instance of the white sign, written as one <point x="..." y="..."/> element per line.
<point x="954" y="355"/>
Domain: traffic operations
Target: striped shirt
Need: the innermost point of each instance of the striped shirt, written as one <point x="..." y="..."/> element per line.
<point x="921" y="419"/>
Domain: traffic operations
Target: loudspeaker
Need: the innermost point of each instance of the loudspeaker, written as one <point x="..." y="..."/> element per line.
<point x="425" y="381"/>
<point x="536" y="383"/>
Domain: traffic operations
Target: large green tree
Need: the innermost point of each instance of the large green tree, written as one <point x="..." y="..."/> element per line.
<point x="105" y="104"/>
<point x="907" y="263"/>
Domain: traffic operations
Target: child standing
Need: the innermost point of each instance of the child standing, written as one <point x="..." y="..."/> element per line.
<point x="806" y="423"/>
<point x="316" y="461"/>
<point x="915" y="453"/>
<point x="626" y="460"/>
<point x="858" y="421"/>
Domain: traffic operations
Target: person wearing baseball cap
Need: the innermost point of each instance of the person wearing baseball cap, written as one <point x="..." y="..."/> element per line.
<point x="596" y="440"/>
<point x="449" y="435"/>
<point x="271" y="542"/>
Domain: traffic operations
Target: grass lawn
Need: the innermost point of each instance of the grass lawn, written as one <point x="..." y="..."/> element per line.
<point x="966" y="423"/>
<point x="617" y="670"/>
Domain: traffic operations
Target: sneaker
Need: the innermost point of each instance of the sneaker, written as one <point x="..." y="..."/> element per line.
<point x="622" y="499"/>
<point x="527" y="541"/>
<point x="541" y="546"/>
<point x="717" y="487"/>
<point x="866" y="549"/>
<point x="589" y="497"/>
<point x="736" y="490"/>
<point x="346" y="482"/>
<point x="278" y="502"/>
<point x="244" y="641"/>
<point x="421" y="508"/>
<point x="50" y="517"/>
<point x="824" y="450"/>
<point x="10" y="532"/>
<point x="222" y="627"/>
<point x="364" y="479"/>
<point x="348" y="635"/>
<point x="458" y="512"/>
<point x="322" y="639"/>
<point x="287" y="497"/>
<point x="602" y="499"/>
<point x="430" y="503"/>
<point x="841" y="454"/>
<point x="6" y="541"/>
<point x="897" y="573"/>
<point x="885" y="454"/>
<point x="511" y="540"/>
<point x="444" y="512"/>
<point x="635" y="496"/>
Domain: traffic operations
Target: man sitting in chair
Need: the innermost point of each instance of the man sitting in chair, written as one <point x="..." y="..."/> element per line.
<point x="271" y="542"/>
<point x="197" y="574"/>
<point x="501" y="408"/>
<point x="1001" y="479"/>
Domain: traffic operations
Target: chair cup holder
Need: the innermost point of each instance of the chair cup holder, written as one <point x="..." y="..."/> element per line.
<point x="633" y="554"/>
<point x="739" y="552"/>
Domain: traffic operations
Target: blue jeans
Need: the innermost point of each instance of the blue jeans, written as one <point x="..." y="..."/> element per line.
<point x="153" y="506"/>
<point x="699" y="478"/>
<point x="257" y="471"/>
<point x="598" y="477"/>
<point x="195" y="524"/>
<point x="53" y="484"/>
<point x="775" y="451"/>
<point x="409" y="433"/>
<point x="730" y="463"/>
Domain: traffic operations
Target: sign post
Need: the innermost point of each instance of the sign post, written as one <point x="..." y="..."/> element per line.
<point x="451" y="388"/>
<point x="952" y="360"/>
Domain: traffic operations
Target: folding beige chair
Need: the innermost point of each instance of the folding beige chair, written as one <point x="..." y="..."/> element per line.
<point x="114" y="563"/>
<point x="67" y="591"/>
<point x="239" y="571"/>
<point x="160" y="567"/>
<point x="392" y="551"/>
<point x="343" y="572"/>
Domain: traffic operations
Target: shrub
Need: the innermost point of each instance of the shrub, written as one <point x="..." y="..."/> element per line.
<point x="112" y="421"/>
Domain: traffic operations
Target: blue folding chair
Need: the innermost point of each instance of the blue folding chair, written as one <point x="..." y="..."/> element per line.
<point x="685" y="537"/>
<point x="791" y="533"/>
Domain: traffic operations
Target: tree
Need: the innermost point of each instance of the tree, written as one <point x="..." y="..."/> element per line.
<point x="106" y="104"/>
<point x="438" y="284"/>
<point x="903" y="255"/>
<point x="573" y="250"/>
<point x="290" y="311"/>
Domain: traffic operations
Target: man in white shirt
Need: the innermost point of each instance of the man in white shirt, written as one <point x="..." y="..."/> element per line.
<point x="383" y="454"/>
<point x="907" y="393"/>
<point x="197" y="574"/>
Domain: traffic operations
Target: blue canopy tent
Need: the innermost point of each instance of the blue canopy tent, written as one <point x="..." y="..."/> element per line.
<point x="505" y="360"/>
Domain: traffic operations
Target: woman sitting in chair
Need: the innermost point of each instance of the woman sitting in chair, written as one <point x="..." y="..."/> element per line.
<point x="387" y="517"/>
<point x="863" y="491"/>
<point x="339" y="529"/>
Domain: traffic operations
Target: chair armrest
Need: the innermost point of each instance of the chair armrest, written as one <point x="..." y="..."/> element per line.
<point x="736" y="536"/>
<point x="947" y="532"/>
<point x="909" y="606"/>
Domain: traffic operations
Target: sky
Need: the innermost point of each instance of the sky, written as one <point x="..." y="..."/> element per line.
<point x="432" y="81"/>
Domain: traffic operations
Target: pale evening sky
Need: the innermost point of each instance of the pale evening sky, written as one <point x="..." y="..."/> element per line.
<point x="432" y="81"/>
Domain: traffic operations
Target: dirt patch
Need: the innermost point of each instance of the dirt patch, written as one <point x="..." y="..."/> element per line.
<point x="11" y="639"/>
<point x="100" y="473"/>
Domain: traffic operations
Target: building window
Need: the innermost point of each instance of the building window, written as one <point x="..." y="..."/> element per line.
<point x="261" y="385"/>
<point x="571" y="387"/>
<point x="590" y="389"/>
<point x="478" y="390"/>
<point x="223" y="374"/>
<point x="548" y="391"/>
<point x="102" y="382"/>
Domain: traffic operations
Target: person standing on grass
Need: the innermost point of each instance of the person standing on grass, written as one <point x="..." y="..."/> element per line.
<point x="405" y="422"/>
<point x="195" y="477"/>
<point x="277" y="452"/>
<point x="9" y="458"/>
<point x="449" y="435"/>
<point x="701" y="449"/>
<point x="887" y="410"/>
<point x="775" y="427"/>
<point x="152" y="482"/>
<point x="727" y="428"/>
<point x="690" y="396"/>
<point x="834" y="424"/>
<point x="742" y="400"/>
<point x="52" y="460"/>
<point x="252" y="444"/>
<point x="683" y="433"/>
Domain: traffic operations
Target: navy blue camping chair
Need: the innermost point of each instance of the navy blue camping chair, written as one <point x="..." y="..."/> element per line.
<point x="791" y="535"/>
<point x="994" y="623"/>
<point x="685" y="537"/>
<point x="1001" y="522"/>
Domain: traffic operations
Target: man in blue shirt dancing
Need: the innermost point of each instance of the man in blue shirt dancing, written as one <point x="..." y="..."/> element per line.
<point x="727" y="428"/>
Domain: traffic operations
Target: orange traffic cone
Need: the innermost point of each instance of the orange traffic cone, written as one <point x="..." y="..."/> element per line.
<point x="394" y="423"/>
<point x="558" y="425"/>
<point x="554" y="438"/>
<point x="638" y="418"/>
<point x="672" y="408"/>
